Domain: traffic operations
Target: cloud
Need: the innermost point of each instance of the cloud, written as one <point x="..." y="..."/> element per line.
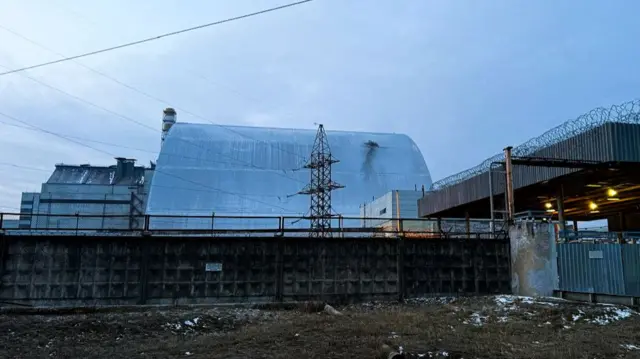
<point x="464" y="79"/>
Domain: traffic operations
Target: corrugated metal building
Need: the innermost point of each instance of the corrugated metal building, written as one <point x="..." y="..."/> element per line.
<point x="612" y="141"/>
<point x="393" y="204"/>
<point x="120" y="190"/>
<point x="403" y="204"/>
<point x="233" y="170"/>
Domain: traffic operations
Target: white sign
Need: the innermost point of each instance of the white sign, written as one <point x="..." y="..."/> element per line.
<point x="595" y="255"/>
<point x="213" y="267"/>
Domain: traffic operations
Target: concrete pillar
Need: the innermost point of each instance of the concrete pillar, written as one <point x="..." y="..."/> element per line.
<point x="533" y="265"/>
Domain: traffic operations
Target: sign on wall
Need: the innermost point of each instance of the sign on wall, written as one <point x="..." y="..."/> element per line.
<point x="213" y="267"/>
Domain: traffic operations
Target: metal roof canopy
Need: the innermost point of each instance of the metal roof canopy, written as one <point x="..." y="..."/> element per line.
<point x="589" y="184"/>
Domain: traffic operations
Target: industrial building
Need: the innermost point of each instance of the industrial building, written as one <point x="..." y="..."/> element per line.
<point x="206" y="170"/>
<point x="116" y="195"/>
<point x="398" y="211"/>
<point x="585" y="169"/>
<point x="211" y="171"/>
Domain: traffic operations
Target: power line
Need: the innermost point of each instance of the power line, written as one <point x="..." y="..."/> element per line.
<point x="220" y="190"/>
<point x="127" y="118"/>
<point x="156" y="170"/>
<point x="56" y="134"/>
<point x="132" y="88"/>
<point x="23" y="167"/>
<point x="207" y="160"/>
<point x="139" y="123"/>
<point x="155" y="37"/>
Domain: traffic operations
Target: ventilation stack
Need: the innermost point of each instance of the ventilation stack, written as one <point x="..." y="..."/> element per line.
<point x="169" y="117"/>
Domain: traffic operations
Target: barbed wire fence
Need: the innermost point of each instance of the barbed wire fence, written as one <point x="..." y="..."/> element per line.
<point x="628" y="112"/>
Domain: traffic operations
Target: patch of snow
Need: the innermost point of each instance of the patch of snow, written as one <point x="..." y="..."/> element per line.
<point x="195" y="320"/>
<point x="504" y="300"/>
<point x="431" y="300"/>
<point x="445" y="354"/>
<point x="630" y="346"/>
<point x="576" y="317"/>
<point x="297" y="335"/>
<point x="475" y="319"/>
<point x="400" y="349"/>
<point x="503" y="319"/>
<point x="175" y="326"/>
<point x="187" y="353"/>
<point x="611" y="315"/>
<point x="393" y="335"/>
<point x="189" y="323"/>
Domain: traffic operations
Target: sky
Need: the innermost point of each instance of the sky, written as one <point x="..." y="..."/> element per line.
<point x="463" y="78"/>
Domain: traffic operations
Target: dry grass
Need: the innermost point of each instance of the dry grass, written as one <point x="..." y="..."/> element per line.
<point x="512" y="330"/>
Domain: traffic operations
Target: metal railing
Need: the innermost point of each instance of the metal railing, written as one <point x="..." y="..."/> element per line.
<point x="231" y="225"/>
<point x="571" y="236"/>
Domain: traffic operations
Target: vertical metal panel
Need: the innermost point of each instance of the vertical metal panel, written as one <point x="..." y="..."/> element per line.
<point x="408" y="203"/>
<point x="631" y="267"/>
<point x="625" y="139"/>
<point x="591" y="268"/>
<point x="608" y="142"/>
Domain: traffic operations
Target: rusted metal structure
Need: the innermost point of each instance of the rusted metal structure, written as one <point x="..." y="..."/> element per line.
<point x="565" y="173"/>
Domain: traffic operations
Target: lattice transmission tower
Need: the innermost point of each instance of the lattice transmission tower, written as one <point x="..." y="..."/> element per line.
<point x="321" y="185"/>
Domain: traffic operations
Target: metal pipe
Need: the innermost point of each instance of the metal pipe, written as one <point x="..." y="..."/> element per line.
<point x="399" y="226"/>
<point x="561" y="219"/>
<point x="491" y="205"/>
<point x="509" y="188"/>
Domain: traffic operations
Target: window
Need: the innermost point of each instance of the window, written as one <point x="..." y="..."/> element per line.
<point x="383" y="211"/>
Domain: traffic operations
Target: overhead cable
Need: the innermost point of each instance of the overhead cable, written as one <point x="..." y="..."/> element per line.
<point x="127" y="118"/>
<point x="138" y="42"/>
<point x="157" y="170"/>
<point x="135" y="89"/>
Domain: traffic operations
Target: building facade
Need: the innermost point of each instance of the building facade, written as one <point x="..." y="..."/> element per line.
<point x="208" y="170"/>
<point x="103" y="197"/>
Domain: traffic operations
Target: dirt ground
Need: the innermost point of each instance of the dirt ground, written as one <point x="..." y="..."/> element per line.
<point x="485" y="327"/>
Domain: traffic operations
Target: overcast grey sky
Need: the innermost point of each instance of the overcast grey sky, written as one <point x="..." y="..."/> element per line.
<point x="462" y="78"/>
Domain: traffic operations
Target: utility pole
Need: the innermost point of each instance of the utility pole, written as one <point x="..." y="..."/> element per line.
<point x="320" y="186"/>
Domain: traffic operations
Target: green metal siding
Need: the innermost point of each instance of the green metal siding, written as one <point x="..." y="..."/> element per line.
<point x="616" y="272"/>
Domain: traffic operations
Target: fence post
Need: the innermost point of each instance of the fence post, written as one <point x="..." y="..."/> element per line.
<point x="400" y="268"/>
<point x="280" y="247"/>
<point x="144" y="271"/>
<point x="4" y="248"/>
<point x="281" y="225"/>
<point x="213" y="216"/>
<point x="2" y="220"/>
<point x="77" y="222"/>
<point x="147" y="219"/>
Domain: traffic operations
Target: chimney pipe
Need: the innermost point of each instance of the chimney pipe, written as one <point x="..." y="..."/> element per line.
<point x="124" y="168"/>
<point x="169" y="117"/>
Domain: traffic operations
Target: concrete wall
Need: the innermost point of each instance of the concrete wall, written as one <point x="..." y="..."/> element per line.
<point x="533" y="258"/>
<point x="57" y="271"/>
